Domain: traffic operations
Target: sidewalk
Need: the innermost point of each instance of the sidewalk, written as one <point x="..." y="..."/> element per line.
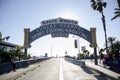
<point x="110" y="75"/>
<point x="19" y="72"/>
<point x="99" y="63"/>
<point x="104" y="71"/>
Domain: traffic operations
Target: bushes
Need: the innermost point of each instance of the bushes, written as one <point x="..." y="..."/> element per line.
<point x="5" y="56"/>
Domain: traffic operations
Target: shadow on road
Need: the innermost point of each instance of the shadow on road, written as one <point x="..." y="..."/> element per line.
<point x="87" y="70"/>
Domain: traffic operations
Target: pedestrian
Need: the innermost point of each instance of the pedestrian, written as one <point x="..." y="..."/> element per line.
<point x="13" y="64"/>
<point x="101" y="57"/>
<point x="110" y="54"/>
<point x="0" y="59"/>
<point x="28" y="62"/>
<point x="105" y="60"/>
<point x="116" y="56"/>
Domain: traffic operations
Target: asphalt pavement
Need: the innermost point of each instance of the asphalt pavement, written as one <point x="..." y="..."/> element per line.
<point x="59" y="69"/>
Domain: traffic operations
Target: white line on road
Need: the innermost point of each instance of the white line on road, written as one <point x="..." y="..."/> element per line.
<point x="61" y="70"/>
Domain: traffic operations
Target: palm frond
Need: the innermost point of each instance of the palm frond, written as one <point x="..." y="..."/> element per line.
<point x="104" y="4"/>
<point x="111" y="39"/>
<point x="94" y="7"/>
<point x="93" y="4"/>
<point x="117" y="8"/>
<point x="116" y="16"/>
<point x="117" y="12"/>
<point x="99" y="8"/>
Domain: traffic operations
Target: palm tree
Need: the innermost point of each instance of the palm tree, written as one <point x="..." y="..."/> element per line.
<point x="111" y="43"/>
<point x="98" y="5"/>
<point x="86" y="52"/>
<point x="80" y="56"/>
<point x="117" y="45"/>
<point x="18" y="51"/>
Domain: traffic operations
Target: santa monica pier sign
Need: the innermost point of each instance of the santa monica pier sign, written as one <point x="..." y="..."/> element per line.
<point x="59" y="27"/>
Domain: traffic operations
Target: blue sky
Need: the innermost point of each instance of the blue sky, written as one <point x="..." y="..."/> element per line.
<point x="15" y="15"/>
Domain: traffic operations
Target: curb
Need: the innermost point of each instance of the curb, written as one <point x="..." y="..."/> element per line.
<point x="103" y="74"/>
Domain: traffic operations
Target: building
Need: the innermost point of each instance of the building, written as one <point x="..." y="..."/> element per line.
<point x="6" y="46"/>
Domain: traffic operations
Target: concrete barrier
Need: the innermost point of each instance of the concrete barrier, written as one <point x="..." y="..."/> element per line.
<point x="7" y="67"/>
<point x="77" y="62"/>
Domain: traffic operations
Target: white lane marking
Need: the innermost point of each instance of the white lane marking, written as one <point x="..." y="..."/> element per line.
<point x="61" y="70"/>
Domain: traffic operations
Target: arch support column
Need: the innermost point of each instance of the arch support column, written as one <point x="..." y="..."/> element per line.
<point x="26" y="41"/>
<point x="94" y="44"/>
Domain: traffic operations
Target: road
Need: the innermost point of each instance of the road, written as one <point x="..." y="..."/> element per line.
<point x="60" y="69"/>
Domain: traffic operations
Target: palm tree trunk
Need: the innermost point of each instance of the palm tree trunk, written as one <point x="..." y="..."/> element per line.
<point x="118" y="3"/>
<point x="95" y="57"/>
<point x="104" y="26"/>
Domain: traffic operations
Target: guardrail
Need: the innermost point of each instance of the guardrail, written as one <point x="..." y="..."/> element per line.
<point x="7" y="67"/>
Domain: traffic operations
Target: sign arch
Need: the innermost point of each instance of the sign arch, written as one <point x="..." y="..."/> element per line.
<point x="59" y="28"/>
